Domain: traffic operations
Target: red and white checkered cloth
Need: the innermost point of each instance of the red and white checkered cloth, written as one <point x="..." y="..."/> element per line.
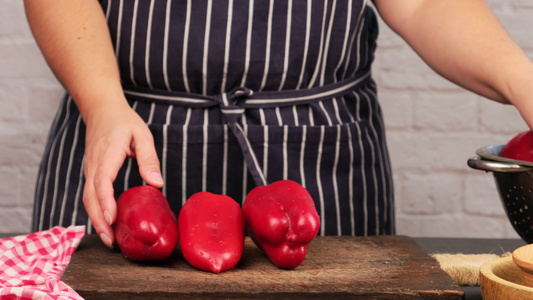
<point x="31" y="265"/>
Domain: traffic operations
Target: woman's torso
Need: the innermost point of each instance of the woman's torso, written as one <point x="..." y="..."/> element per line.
<point x="335" y="146"/>
<point x="209" y="47"/>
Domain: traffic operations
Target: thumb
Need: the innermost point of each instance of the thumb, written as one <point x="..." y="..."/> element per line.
<point x="148" y="161"/>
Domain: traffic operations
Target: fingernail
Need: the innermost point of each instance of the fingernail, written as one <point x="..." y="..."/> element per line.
<point x="156" y="176"/>
<point x="107" y="217"/>
<point x="106" y="240"/>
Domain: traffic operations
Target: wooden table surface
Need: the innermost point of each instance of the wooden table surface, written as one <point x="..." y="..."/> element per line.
<point x="378" y="267"/>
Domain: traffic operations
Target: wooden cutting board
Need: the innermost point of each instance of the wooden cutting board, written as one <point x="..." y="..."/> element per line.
<point x="379" y="267"/>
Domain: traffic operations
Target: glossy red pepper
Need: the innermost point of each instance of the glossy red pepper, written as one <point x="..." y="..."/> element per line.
<point x="520" y="147"/>
<point x="146" y="228"/>
<point x="212" y="232"/>
<point x="282" y="220"/>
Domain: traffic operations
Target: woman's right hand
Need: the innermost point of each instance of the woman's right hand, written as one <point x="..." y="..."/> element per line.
<point x="75" y="41"/>
<point x="114" y="133"/>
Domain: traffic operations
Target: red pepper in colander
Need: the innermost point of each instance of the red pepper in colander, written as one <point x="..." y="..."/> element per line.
<point x="520" y="147"/>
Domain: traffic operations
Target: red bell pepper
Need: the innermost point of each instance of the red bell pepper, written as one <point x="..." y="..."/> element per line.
<point x="211" y="231"/>
<point x="520" y="147"/>
<point x="146" y="228"/>
<point x="282" y="220"/>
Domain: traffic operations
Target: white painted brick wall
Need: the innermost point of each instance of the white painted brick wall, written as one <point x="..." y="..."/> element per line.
<point x="29" y="95"/>
<point x="433" y="128"/>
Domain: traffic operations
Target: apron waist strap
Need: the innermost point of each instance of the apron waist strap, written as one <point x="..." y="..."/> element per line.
<point x="248" y="98"/>
<point x="233" y="104"/>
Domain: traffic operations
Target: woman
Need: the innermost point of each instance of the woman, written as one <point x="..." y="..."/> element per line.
<point x="241" y="93"/>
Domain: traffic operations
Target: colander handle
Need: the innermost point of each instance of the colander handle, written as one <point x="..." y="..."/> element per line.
<point x="495" y="166"/>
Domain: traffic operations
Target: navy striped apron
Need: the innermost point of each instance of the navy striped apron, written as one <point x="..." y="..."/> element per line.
<point x="240" y="93"/>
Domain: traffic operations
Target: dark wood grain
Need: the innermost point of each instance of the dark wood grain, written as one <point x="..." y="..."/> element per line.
<point x="380" y="267"/>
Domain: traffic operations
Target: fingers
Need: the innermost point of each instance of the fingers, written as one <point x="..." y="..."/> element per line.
<point x="147" y="159"/>
<point x="98" y="196"/>
<point x="101" y="168"/>
<point x="106" y="172"/>
<point x="92" y="206"/>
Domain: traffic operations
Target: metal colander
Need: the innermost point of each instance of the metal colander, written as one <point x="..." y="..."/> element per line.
<point x="514" y="181"/>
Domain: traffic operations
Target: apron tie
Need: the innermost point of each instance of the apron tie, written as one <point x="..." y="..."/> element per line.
<point x="231" y="104"/>
<point x="231" y="107"/>
<point x="234" y="103"/>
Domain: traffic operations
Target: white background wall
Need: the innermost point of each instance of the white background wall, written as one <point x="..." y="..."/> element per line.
<point x="433" y="128"/>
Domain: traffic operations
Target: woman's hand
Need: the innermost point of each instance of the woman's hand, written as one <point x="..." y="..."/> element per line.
<point x="114" y="133"/>
<point x="75" y="41"/>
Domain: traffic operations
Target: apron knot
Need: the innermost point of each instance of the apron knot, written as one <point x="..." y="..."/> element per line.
<point x="231" y="103"/>
<point x="232" y="108"/>
<point x="240" y="92"/>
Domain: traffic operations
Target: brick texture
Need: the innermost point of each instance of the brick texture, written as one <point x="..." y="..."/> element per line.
<point x="433" y="128"/>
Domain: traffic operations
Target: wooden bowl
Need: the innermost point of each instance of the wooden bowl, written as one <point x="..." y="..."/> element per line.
<point x="523" y="258"/>
<point x="501" y="279"/>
